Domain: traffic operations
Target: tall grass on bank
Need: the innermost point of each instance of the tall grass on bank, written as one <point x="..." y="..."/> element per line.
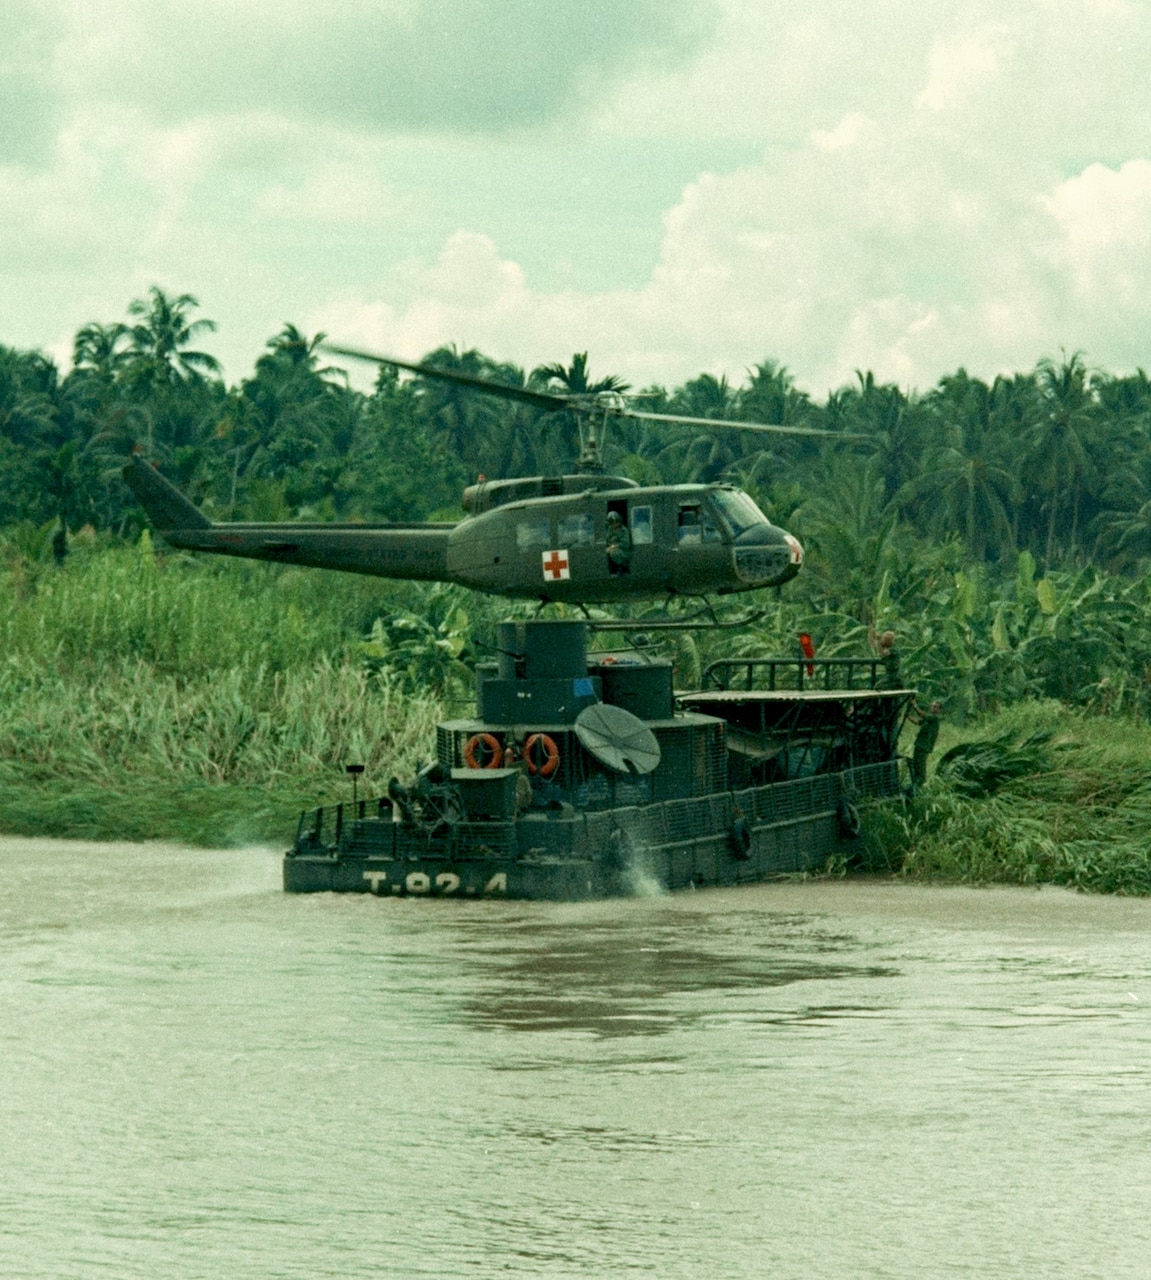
<point x="145" y="754"/>
<point x="179" y="614"/>
<point x="144" y="699"/>
<point x="1078" y="814"/>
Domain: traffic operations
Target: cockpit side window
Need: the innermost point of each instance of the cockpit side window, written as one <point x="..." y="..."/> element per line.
<point x="738" y="511"/>
<point x="689" y="530"/>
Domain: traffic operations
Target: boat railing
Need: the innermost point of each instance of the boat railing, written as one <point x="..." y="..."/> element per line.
<point x="793" y="673"/>
<point x="324" y="826"/>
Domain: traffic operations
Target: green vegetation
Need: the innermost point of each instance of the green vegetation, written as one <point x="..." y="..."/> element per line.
<point x="150" y="698"/>
<point x="1041" y="796"/>
<point x="1002" y="529"/>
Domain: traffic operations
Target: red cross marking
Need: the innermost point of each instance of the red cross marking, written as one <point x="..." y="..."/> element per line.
<point x="556" y="565"/>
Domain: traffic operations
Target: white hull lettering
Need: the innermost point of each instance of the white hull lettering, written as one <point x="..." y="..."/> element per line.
<point x="419" y="882"/>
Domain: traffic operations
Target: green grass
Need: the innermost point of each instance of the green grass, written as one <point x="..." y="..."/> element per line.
<point x="1078" y="815"/>
<point x="143" y="754"/>
<point x="165" y="699"/>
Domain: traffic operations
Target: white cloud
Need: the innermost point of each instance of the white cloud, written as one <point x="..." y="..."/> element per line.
<point x="1103" y="217"/>
<point x="1102" y="209"/>
<point x="958" y="66"/>
<point x="854" y="127"/>
<point x="916" y="186"/>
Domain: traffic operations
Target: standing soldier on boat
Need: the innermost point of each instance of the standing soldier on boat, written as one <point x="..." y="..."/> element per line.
<point x="890" y="676"/>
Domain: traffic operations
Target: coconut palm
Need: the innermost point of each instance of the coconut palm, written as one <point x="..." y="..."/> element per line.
<point x="966" y="494"/>
<point x="160" y="340"/>
<point x="883" y="411"/>
<point x="574" y="379"/>
<point x="27" y="387"/>
<point x="1060" y="463"/>
<point x="962" y="488"/>
<point x="100" y="350"/>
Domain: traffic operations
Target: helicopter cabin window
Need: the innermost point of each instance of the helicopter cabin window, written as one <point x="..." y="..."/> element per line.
<point x="696" y="524"/>
<point x="737" y="510"/>
<point x="641" y="531"/>
<point x="576" y="530"/>
<point x="533" y="534"/>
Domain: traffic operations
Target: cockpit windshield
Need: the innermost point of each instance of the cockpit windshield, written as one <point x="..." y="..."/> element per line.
<point x="738" y="510"/>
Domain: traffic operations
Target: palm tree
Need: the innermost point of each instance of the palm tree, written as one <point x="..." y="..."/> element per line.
<point x="160" y="340"/>
<point x="883" y="411"/>
<point x="98" y="350"/>
<point x="771" y="396"/>
<point x="290" y="423"/>
<point x="573" y="379"/>
<point x="27" y="397"/>
<point x="1060" y="462"/>
<point x="851" y="530"/>
<point x="708" y="454"/>
<point x="961" y="486"/>
<point x="967" y="494"/>
<point x="475" y="426"/>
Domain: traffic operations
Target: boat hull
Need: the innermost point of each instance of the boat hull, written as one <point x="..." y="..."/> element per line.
<point x="724" y="838"/>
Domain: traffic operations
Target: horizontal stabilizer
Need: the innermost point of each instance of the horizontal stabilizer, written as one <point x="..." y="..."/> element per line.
<point x="166" y="506"/>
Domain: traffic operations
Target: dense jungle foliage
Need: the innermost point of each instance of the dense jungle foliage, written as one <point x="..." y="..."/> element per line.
<point x="1002" y="529"/>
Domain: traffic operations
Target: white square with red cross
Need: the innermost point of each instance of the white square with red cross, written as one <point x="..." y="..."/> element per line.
<point x="556" y="568"/>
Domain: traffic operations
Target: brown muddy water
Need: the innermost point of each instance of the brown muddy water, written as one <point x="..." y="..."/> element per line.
<point x="205" y="1077"/>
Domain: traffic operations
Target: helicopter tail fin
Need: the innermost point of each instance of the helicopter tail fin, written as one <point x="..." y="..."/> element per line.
<point x="166" y="506"/>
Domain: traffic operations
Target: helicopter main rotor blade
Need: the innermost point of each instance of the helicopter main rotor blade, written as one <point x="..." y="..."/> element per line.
<point x="775" y="428"/>
<point x="541" y="399"/>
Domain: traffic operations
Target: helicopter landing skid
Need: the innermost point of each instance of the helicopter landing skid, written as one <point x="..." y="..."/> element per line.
<point x="704" y="619"/>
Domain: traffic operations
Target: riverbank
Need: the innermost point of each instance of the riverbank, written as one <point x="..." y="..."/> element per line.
<point x="1035" y="795"/>
<point x="1038" y="794"/>
<point x="146" y="697"/>
<point x="232" y="759"/>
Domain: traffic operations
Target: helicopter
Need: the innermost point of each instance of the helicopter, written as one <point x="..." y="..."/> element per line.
<point x="582" y="538"/>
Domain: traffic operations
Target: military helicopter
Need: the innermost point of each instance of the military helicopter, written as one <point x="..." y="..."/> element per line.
<point x="584" y="538"/>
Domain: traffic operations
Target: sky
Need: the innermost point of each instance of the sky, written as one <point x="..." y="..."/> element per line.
<point x="674" y="186"/>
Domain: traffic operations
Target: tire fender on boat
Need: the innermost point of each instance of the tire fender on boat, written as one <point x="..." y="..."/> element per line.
<point x="740" y="838"/>
<point x="850" y="823"/>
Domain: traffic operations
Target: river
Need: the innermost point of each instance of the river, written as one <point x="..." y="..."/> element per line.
<point x="205" y="1077"/>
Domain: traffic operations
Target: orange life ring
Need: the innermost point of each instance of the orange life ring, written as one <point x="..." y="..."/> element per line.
<point x="490" y="743"/>
<point x="551" y="755"/>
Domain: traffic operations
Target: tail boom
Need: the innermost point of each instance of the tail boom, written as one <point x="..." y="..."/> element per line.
<point x="386" y="551"/>
<point x="381" y="551"/>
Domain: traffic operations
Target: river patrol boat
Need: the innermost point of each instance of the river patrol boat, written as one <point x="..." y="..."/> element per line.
<point x="587" y="776"/>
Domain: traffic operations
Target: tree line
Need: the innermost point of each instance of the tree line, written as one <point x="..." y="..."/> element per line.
<point x="1054" y="462"/>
